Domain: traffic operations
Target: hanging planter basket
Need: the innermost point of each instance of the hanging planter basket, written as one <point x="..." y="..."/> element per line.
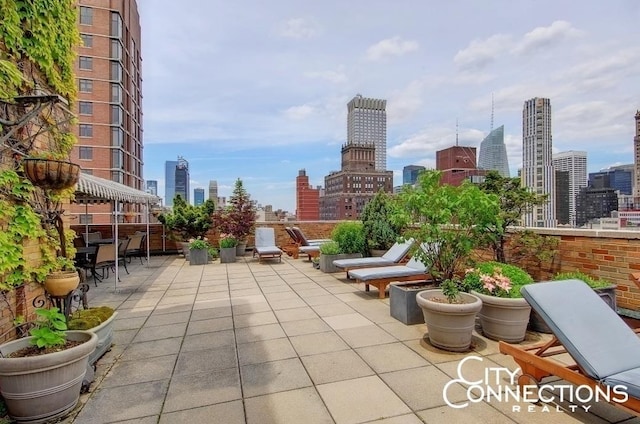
<point x="50" y="173"/>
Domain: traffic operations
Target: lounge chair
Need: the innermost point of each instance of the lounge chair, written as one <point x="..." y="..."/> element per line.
<point x="393" y="256"/>
<point x="381" y="277"/>
<point x="266" y="245"/>
<point x="302" y="244"/>
<point x="605" y="349"/>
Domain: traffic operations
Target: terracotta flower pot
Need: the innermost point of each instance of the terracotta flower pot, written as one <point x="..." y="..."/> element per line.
<point x="61" y="283"/>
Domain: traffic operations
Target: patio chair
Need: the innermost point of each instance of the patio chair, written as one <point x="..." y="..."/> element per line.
<point x="104" y="259"/>
<point x="393" y="256"/>
<point x="123" y="245"/>
<point x="301" y="244"/>
<point x="304" y="241"/>
<point x="381" y="277"/>
<point x="266" y="244"/>
<point x="134" y="248"/>
<point x="90" y="237"/>
<point x="605" y="349"/>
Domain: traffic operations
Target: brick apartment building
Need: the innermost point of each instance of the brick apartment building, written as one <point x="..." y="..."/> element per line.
<point x="307" y="199"/>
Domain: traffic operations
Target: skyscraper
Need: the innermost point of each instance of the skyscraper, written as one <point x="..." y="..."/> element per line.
<point x="410" y="173"/>
<point x="109" y="104"/>
<point x="575" y="162"/>
<point x="618" y="177"/>
<point x="170" y="181"/>
<point x="182" y="178"/>
<point x="537" y="165"/>
<point x="213" y="191"/>
<point x="367" y="124"/>
<point x="636" y="148"/>
<point x="307" y="199"/>
<point x="493" y="152"/>
<point x="198" y="196"/>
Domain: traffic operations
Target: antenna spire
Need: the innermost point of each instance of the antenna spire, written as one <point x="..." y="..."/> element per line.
<point x="492" y="108"/>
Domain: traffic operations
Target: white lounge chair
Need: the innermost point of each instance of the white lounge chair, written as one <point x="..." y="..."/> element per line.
<point x="393" y="256"/>
<point x="266" y="244"/>
<point x="381" y="277"/>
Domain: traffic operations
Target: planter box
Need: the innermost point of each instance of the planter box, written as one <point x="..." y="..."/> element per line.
<point x="403" y="304"/>
<point x="241" y="248"/>
<point x="227" y="255"/>
<point x="326" y="261"/>
<point x="198" y="257"/>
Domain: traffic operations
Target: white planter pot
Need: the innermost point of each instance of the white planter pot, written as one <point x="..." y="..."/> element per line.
<point x="105" y="336"/>
<point x="502" y="318"/>
<point x="449" y="325"/>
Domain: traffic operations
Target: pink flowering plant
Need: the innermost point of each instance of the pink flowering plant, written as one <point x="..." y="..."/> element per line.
<point x="496" y="279"/>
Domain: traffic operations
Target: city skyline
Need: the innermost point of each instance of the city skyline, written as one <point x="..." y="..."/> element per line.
<point x="262" y="94"/>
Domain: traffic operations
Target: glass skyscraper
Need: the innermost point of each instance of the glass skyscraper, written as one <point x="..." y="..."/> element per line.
<point x="493" y="153"/>
<point x="169" y="181"/>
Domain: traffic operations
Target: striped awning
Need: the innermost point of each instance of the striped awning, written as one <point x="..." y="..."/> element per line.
<point x="92" y="189"/>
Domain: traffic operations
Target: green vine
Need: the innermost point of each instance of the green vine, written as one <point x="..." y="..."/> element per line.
<point x="44" y="32"/>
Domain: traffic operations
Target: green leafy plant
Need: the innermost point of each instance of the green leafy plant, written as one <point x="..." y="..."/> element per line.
<point x="213" y="252"/>
<point x="350" y="237"/>
<point x="378" y="230"/>
<point x="593" y="282"/>
<point x="451" y="290"/>
<point x="330" y="248"/>
<point x="239" y="218"/>
<point x="496" y="279"/>
<point x="187" y="221"/>
<point x="49" y="330"/>
<point x="227" y="241"/>
<point x="199" y="243"/>
<point x="448" y="221"/>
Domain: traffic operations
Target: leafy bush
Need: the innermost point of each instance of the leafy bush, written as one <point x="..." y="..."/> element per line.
<point x="378" y="230"/>
<point x="227" y="241"/>
<point x="496" y="279"/>
<point x="451" y="290"/>
<point x="330" y="248"/>
<point x="84" y="319"/>
<point x="350" y="237"/>
<point x="594" y="283"/>
<point x="49" y="329"/>
<point x="239" y="218"/>
<point x="213" y="252"/>
<point x="199" y="243"/>
<point x="187" y="221"/>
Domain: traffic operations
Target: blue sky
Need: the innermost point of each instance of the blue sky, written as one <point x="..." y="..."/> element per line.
<point x="258" y="90"/>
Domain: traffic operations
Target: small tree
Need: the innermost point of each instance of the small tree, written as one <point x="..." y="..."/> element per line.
<point x="515" y="201"/>
<point x="379" y="232"/>
<point x="448" y="221"/>
<point x="239" y="218"/>
<point x="188" y="221"/>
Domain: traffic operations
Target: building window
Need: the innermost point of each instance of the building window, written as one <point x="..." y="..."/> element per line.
<point x="87" y="40"/>
<point x="117" y="176"/>
<point x="117" y="137"/>
<point x="117" y="115"/>
<point x="86" y="15"/>
<point x="116" y="93"/>
<point x="116" y="25"/>
<point x="86" y="63"/>
<point x="116" y="71"/>
<point x="85" y="85"/>
<point x="85" y="108"/>
<point x="86" y="152"/>
<point x="116" y="49"/>
<point x="86" y="130"/>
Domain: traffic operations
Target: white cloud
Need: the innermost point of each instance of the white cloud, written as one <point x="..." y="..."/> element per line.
<point x="394" y="46"/>
<point x="428" y="141"/>
<point x="480" y="53"/>
<point x="299" y="28"/>
<point x="298" y="113"/>
<point x="546" y="36"/>
<point x="336" y="77"/>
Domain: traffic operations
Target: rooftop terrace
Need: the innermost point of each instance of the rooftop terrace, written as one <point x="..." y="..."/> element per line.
<point x="283" y="343"/>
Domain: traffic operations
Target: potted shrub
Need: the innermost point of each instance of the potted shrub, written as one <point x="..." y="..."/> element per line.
<point x="97" y="320"/>
<point x="41" y="375"/>
<point x="199" y="251"/>
<point x="504" y="314"/>
<point x="378" y="230"/>
<point x="347" y="242"/>
<point x="239" y="218"/>
<point x="450" y="316"/>
<point x="188" y="222"/>
<point x="227" y="248"/>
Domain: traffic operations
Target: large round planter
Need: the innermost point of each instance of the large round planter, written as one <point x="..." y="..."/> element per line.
<point x="61" y="283"/>
<point x="504" y="318"/>
<point x="104" y="332"/>
<point x="51" y="174"/>
<point x="241" y="248"/>
<point x="41" y="388"/>
<point x="227" y="255"/>
<point x="449" y="325"/>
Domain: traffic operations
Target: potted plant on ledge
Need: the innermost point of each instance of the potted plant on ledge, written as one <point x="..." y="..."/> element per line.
<point x="348" y="242"/>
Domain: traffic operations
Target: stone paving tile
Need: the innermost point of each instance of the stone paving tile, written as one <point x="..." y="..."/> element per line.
<point x="129" y="324"/>
<point x="124" y="403"/>
<point x="277" y="408"/>
<point x="206" y="360"/>
<point x="254" y="319"/>
<point x="209" y="313"/>
<point x="390" y="357"/>
<point x="287" y="304"/>
<point x="340" y="322"/>
<point x="208" y="340"/>
<point x="335" y="366"/>
<point x="273" y="377"/>
<point x="295" y="314"/>
<point x="164" y="319"/>
<point x="265" y="351"/>
<point x="261" y="332"/>
<point x="312" y="344"/>
<point x="401" y="419"/>
<point x="305" y="326"/>
<point x="227" y="413"/>
<point x="332" y="309"/>
<point x="164" y="332"/>
<point x="480" y="413"/>
<point x="251" y="308"/>
<point x="195" y="390"/>
<point x="365" y="336"/>
<point x="209" y="325"/>
<point x="140" y="371"/>
<point x="368" y="399"/>
<point x="151" y="349"/>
